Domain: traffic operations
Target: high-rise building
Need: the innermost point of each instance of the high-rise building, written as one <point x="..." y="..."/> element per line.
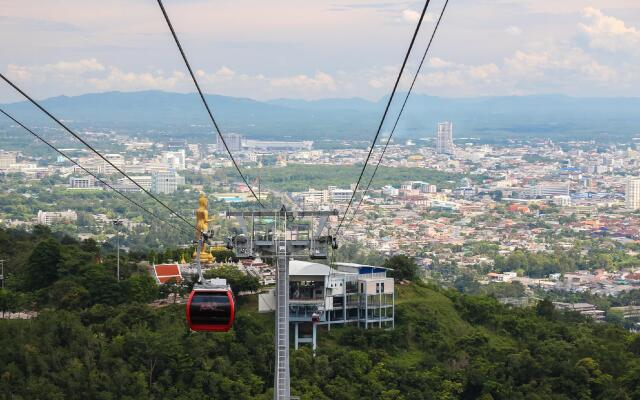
<point x="233" y="140"/>
<point x="166" y="182"/>
<point x="632" y="193"/>
<point x="444" y="138"/>
<point x="7" y="159"/>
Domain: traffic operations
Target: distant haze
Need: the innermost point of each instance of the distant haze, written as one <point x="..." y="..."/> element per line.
<point x="487" y="118"/>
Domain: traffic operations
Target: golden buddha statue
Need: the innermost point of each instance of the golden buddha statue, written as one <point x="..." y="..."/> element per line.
<point x="202" y="225"/>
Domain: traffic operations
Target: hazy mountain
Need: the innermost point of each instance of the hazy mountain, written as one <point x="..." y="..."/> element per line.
<point x="156" y="112"/>
<point x="353" y="103"/>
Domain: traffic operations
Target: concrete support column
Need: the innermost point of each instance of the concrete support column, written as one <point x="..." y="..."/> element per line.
<point x="314" y="344"/>
<point x="393" y="309"/>
<point x="380" y="310"/>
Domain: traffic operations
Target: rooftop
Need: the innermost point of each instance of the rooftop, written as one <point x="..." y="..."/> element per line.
<point x="297" y="267"/>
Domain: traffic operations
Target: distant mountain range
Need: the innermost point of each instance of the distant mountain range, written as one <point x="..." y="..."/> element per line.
<point x="487" y="118"/>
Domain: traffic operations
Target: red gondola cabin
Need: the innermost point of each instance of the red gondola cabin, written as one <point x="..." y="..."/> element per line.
<point x="210" y="309"/>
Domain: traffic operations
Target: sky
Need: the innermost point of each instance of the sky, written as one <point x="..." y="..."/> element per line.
<point x="321" y="49"/>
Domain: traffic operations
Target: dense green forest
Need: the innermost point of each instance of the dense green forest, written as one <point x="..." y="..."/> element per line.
<point x="446" y="345"/>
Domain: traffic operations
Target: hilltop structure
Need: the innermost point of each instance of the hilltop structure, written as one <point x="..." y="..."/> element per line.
<point x="345" y="293"/>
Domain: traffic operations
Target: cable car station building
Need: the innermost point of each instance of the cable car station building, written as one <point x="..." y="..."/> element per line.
<point x="348" y="293"/>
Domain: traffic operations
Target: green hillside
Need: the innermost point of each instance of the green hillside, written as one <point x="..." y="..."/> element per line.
<point x="446" y="345"/>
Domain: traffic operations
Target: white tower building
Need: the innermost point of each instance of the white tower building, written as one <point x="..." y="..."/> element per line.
<point x="632" y="193"/>
<point x="444" y="139"/>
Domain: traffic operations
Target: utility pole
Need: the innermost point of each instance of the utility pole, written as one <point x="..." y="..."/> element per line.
<point x="117" y="223"/>
<point x="2" y="272"/>
<point x="276" y="241"/>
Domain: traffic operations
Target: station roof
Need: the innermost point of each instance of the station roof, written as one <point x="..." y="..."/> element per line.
<point x="362" y="269"/>
<point x="297" y="267"/>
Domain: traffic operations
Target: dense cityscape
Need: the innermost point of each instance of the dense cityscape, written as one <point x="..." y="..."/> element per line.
<point x="466" y="212"/>
<point x="342" y="200"/>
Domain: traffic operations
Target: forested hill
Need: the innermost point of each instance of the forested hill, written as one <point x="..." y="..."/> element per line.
<point x="446" y="345"/>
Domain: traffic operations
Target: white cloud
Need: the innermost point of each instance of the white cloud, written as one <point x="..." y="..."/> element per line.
<point x="556" y="68"/>
<point x="226" y="72"/>
<point x="609" y="33"/>
<point x="320" y="81"/>
<point x="485" y="72"/>
<point x="38" y="72"/>
<point x="558" y="64"/>
<point x="438" y="74"/>
<point x="450" y="74"/>
<point x="436" y="62"/>
<point x="287" y="41"/>
<point x="528" y="63"/>
<point x="376" y="83"/>
<point x="412" y="16"/>
<point x="90" y="75"/>
<point x="599" y="72"/>
<point x="384" y="78"/>
<point x="570" y="63"/>
<point x="78" y="67"/>
<point x="121" y="80"/>
<point x="513" y="30"/>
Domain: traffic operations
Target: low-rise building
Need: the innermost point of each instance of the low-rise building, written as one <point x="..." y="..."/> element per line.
<point x="82" y="182"/>
<point x="57" y="217"/>
<point x="142" y="180"/>
<point x="503" y="277"/>
<point x="7" y="159"/>
<point x="166" y="182"/>
<point x="341" y="195"/>
<point x="585" y="309"/>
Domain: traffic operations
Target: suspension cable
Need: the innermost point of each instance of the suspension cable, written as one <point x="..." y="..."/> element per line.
<point x="43" y="140"/>
<point x="415" y="78"/>
<point x="84" y="142"/>
<point x="386" y="110"/>
<point x="206" y="104"/>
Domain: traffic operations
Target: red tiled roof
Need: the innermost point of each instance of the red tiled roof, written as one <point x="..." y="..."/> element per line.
<point x="167" y="269"/>
<point x="165" y="279"/>
<point x="165" y="272"/>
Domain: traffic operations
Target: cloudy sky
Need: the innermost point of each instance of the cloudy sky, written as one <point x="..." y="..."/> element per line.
<point x="314" y="49"/>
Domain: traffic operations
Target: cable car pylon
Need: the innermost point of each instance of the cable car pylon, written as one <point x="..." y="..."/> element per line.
<point x="279" y="235"/>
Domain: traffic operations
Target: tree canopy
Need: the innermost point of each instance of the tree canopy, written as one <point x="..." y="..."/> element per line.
<point x="402" y="268"/>
<point x="97" y="338"/>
